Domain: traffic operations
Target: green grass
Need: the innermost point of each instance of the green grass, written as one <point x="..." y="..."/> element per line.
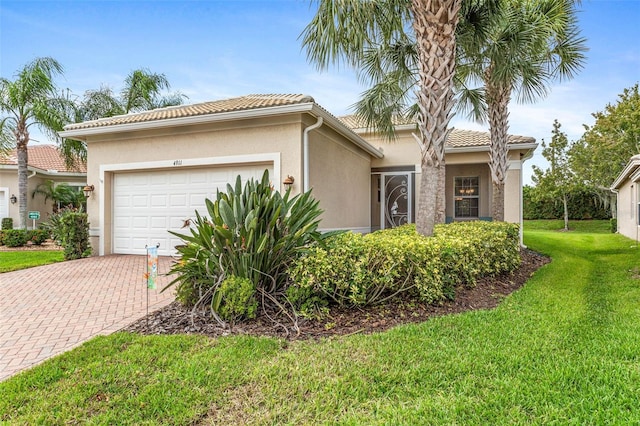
<point x="14" y="260"/>
<point x="591" y="226"/>
<point x="562" y="350"/>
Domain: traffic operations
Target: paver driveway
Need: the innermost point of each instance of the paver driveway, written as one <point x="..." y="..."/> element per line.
<point x="50" y="309"/>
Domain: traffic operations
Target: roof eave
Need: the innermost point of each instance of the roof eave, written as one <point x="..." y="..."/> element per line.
<point x="347" y="132"/>
<point x="43" y="171"/>
<point x="626" y="172"/>
<point x="310" y="107"/>
<point x="485" y="148"/>
<point x="81" y="134"/>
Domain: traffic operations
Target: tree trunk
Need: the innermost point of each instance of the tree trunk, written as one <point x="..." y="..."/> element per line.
<point x="498" y="111"/>
<point x="434" y="24"/>
<point x="426" y="213"/>
<point x="22" y="141"/>
<point x="441" y="200"/>
<point x="613" y="204"/>
<point x="565" y="204"/>
<point x="497" y="204"/>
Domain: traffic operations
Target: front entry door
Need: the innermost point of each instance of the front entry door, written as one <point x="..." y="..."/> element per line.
<point x="396" y="198"/>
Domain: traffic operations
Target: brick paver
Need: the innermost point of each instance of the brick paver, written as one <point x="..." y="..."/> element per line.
<point x="50" y="309"/>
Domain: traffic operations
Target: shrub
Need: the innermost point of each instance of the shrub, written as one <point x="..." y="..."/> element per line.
<point x="70" y="229"/>
<point x="15" y="237"/>
<point x="237" y="299"/>
<point x="38" y="236"/>
<point x="7" y="223"/>
<point x="613" y="222"/>
<point x="253" y="233"/>
<point x="75" y="228"/>
<point x="354" y="269"/>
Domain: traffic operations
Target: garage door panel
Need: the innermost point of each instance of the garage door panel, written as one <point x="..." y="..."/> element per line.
<point x="159" y="200"/>
<point x="146" y="205"/>
<point x="178" y="200"/>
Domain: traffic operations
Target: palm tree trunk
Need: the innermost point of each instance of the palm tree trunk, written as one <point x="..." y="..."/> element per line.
<point x="22" y="140"/>
<point x="565" y="204"/>
<point x="498" y="110"/>
<point x="434" y="24"/>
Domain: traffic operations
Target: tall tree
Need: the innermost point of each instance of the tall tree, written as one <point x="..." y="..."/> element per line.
<point x="143" y="90"/>
<point x="558" y="181"/>
<point x="600" y="155"/>
<point x="31" y="99"/>
<point x="405" y="50"/>
<point x="529" y="44"/>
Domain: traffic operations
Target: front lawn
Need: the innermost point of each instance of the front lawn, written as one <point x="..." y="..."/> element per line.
<point x="561" y="350"/>
<point x="591" y="226"/>
<point x="21" y="259"/>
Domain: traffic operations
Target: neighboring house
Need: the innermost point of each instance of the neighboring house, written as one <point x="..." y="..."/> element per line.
<point x="152" y="170"/>
<point x="44" y="163"/>
<point x="627" y="188"/>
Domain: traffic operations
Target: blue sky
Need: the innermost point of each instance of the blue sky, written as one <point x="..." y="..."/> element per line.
<point x="217" y="49"/>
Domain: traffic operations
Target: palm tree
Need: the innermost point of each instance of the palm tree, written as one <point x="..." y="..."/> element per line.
<point x="62" y="195"/>
<point x="529" y="45"/>
<point x="30" y="99"/>
<point x="397" y="46"/>
<point x="142" y="91"/>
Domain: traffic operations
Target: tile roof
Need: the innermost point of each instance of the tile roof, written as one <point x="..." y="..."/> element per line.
<point x="45" y="157"/>
<point x="458" y="138"/>
<point x="205" y="108"/>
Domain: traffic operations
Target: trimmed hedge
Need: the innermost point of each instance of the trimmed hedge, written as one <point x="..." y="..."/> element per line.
<point x="15" y="237"/>
<point x="355" y="269"/>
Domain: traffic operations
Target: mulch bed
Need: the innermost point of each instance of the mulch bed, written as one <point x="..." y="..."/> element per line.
<point x="487" y="294"/>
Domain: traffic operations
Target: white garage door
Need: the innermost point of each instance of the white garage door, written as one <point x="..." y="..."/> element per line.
<point x="147" y="204"/>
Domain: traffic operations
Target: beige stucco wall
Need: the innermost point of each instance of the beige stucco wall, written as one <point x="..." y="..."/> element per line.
<point x="628" y="209"/>
<point x="339" y="174"/>
<point x="180" y="145"/>
<point x="9" y="181"/>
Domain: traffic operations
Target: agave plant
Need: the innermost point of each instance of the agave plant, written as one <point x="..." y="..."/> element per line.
<point x="251" y="232"/>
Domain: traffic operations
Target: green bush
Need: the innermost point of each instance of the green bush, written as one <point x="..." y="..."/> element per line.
<point x="354" y="269"/>
<point x="237" y="299"/>
<point x="76" y="235"/>
<point x="15" y="237"/>
<point x="614" y="225"/>
<point x="252" y="232"/>
<point x="38" y="236"/>
<point x="7" y="223"/>
<point x="583" y="205"/>
<point x="70" y="229"/>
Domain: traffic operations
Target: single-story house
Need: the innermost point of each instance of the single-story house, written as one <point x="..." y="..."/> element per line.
<point x="627" y="188"/>
<point x="44" y="163"/>
<point x="152" y="170"/>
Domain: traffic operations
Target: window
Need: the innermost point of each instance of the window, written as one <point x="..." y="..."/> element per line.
<point x="467" y="196"/>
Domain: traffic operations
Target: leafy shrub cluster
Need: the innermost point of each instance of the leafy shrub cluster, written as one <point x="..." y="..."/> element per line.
<point x="354" y="269"/>
<point x="238" y="256"/>
<point x="20" y="237"/>
<point x="75" y="235"/>
<point x="70" y="229"/>
<point x="7" y="223"/>
<point x="14" y="237"/>
<point x="583" y="205"/>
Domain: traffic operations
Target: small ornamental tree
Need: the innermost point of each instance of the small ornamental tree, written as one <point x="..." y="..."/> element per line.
<point x="558" y="181"/>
